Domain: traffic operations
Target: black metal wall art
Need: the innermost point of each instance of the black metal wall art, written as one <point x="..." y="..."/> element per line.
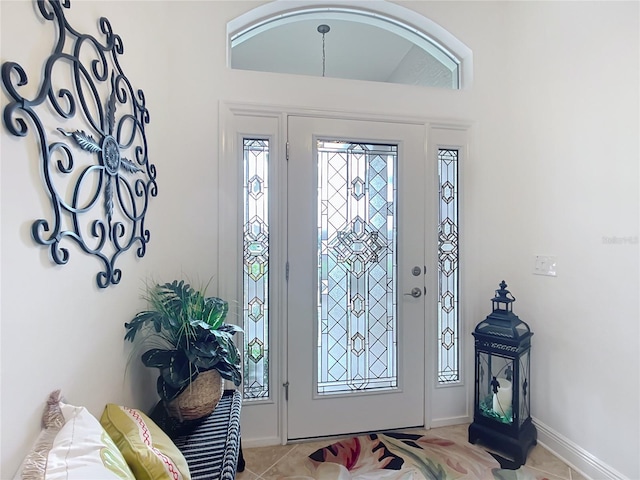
<point x="100" y="190"/>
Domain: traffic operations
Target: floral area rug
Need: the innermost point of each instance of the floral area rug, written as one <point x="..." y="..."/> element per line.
<point x="406" y="456"/>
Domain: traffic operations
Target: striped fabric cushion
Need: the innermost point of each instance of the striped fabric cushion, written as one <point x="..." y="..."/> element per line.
<point x="211" y="450"/>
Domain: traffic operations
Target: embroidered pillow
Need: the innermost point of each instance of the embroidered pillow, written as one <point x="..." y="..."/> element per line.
<point x="73" y="446"/>
<point x="150" y="453"/>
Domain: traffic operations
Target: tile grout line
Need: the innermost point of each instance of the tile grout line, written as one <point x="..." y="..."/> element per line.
<point x="564" y="477"/>
<point x="255" y="475"/>
<point x="279" y="460"/>
<point x="248" y="470"/>
<point x="259" y="475"/>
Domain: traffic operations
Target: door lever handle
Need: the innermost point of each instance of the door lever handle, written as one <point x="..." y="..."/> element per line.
<point x="416" y="292"/>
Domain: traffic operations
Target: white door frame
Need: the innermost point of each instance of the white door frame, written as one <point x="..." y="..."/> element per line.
<point x="233" y="120"/>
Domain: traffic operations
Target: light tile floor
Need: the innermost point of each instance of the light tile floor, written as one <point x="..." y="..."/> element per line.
<point x="274" y="463"/>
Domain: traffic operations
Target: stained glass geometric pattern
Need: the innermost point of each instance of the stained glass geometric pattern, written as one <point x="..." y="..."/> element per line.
<point x="448" y="273"/>
<point x="356" y="267"/>
<point x="255" y="279"/>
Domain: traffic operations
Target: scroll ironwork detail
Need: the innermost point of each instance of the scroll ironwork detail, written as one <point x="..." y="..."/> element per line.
<point x="99" y="191"/>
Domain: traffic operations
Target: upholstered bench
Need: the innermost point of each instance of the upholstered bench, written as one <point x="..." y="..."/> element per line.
<point x="211" y="446"/>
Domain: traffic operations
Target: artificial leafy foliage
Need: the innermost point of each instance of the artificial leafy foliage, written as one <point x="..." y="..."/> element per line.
<point x="189" y="334"/>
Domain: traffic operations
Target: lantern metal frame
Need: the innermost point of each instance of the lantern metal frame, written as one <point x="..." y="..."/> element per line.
<point x="504" y="340"/>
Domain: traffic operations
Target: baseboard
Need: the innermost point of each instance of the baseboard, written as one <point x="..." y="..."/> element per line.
<point x="574" y="455"/>
<point x="447" y="422"/>
<point x="260" y="442"/>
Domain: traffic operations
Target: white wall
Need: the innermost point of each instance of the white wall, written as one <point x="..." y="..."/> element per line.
<point x="554" y="169"/>
<point x="58" y="329"/>
<point x="574" y="83"/>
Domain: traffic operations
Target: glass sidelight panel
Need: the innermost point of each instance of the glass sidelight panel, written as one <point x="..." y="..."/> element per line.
<point x="448" y="272"/>
<point x="256" y="269"/>
<point x="357" y="266"/>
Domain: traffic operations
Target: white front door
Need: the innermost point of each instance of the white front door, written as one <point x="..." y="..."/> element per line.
<point x="356" y="275"/>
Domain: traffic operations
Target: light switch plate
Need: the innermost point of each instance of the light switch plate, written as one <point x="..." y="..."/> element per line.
<point x="546" y="265"/>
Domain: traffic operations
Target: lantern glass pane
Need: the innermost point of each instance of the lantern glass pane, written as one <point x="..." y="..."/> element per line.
<point x="495" y="393"/>
<point x="525" y="411"/>
<point x="255" y="278"/>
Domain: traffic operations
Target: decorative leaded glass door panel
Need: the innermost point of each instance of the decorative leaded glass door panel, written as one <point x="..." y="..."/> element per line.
<point x="356" y="288"/>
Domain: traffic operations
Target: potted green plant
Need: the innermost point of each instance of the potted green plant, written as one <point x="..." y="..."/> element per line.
<point x="188" y="342"/>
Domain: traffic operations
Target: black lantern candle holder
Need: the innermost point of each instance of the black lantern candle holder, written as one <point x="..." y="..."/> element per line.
<point x="502" y="413"/>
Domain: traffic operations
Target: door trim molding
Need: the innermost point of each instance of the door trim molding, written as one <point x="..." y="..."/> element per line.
<point x="276" y="110"/>
<point x="228" y="110"/>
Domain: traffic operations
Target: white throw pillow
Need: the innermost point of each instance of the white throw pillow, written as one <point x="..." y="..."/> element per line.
<point x="78" y="449"/>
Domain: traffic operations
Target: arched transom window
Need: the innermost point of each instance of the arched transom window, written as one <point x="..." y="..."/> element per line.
<point x="386" y="44"/>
